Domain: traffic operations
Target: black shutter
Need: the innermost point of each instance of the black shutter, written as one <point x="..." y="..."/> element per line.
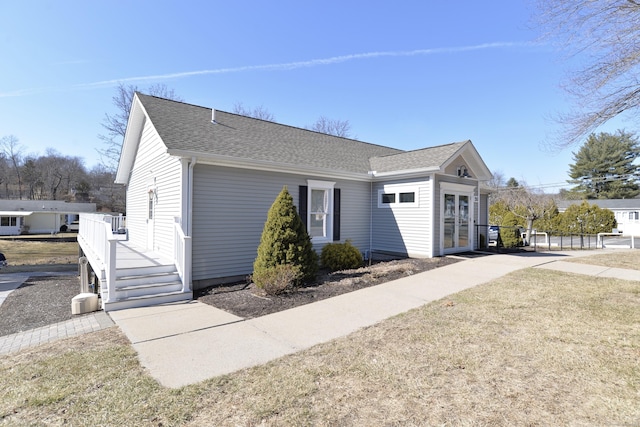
<point x="336" y="214"/>
<point x="302" y="205"/>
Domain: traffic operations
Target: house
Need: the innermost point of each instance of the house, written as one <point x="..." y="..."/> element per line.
<point x="38" y="216"/>
<point x="200" y="182"/>
<point x="626" y="211"/>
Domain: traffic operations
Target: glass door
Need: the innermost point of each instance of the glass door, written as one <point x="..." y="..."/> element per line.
<point x="456" y="218"/>
<point x="449" y="221"/>
<point x="463" y="221"/>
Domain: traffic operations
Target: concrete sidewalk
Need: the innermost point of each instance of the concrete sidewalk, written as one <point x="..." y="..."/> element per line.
<point x="185" y="343"/>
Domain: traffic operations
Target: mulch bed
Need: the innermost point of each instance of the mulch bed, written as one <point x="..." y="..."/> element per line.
<point x="42" y="301"/>
<point x="247" y="301"/>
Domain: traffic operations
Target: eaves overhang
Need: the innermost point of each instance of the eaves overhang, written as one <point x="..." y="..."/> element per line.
<point x="407" y="173"/>
<point x="264" y="165"/>
<point x="18" y="213"/>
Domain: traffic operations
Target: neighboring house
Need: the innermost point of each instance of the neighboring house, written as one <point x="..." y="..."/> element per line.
<point x="206" y="179"/>
<point x="38" y="216"/>
<point x="626" y="211"/>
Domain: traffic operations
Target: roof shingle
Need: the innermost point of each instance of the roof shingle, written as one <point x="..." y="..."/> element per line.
<point x="189" y="128"/>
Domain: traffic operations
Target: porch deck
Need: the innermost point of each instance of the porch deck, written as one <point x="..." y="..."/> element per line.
<point x="131" y="276"/>
<point x="130" y="256"/>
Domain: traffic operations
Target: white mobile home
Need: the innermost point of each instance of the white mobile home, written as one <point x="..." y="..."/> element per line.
<point x="38" y="216"/>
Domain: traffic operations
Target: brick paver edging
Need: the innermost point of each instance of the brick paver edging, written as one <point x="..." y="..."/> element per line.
<point x="78" y="326"/>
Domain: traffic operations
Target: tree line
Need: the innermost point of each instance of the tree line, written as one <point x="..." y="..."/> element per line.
<point x="54" y="176"/>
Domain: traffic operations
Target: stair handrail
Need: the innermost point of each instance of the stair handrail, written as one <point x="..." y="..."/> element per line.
<point x="182" y="255"/>
<point x="99" y="244"/>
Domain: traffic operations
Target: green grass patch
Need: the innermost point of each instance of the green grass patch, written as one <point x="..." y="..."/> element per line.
<point x="21" y="254"/>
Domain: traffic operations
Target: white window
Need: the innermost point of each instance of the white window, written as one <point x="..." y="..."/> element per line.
<point x="8" y="221"/>
<point x="397" y="196"/>
<point x="634" y="215"/>
<point x="320" y="210"/>
<point x="388" y="198"/>
<point x="408" y="197"/>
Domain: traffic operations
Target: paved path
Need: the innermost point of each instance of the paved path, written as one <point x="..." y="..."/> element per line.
<point x="182" y="344"/>
<point x="185" y="343"/>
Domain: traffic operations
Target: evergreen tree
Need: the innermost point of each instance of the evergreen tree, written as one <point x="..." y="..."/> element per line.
<point x="586" y="218"/>
<point x="604" y="167"/>
<point x="285" y="241"/>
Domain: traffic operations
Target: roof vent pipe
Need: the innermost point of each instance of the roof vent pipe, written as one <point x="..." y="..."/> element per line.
<point x="213" y="116"/>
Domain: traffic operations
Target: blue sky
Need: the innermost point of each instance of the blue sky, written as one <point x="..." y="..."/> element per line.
<point x="408" y="74"/>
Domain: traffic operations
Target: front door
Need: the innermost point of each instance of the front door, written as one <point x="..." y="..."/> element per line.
<point x="456" y="219"/>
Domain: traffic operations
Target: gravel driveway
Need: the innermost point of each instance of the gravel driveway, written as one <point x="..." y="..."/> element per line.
<point x="41" y="300"/>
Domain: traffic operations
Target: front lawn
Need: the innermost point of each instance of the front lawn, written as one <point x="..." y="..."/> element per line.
<point x="536" y="347"/>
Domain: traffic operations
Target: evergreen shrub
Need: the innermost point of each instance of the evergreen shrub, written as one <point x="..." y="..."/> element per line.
<point x="340" y="256"/>
<point x="284" y="241"/>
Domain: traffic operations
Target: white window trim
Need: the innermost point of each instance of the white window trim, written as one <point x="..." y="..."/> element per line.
<point x="397" y="189"/>
<point x="327" y="186"/>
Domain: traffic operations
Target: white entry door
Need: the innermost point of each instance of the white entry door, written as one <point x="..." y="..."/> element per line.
<point x="456" y="221"/>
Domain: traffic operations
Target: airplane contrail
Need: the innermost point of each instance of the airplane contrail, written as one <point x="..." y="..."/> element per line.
<point x="275" y="67"/>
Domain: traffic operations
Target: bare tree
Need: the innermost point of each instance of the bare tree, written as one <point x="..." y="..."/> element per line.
<point x="5" y="173"/>
<point x="527" y="203"/>
<point x="332" y="127"/>
<point x="104" y="192"/>
<point x="13" y="152"/>
<point x="116" y="124"/>
<point x="497" y="180"/>
<point x="257" y="113"/>
<point x="606" y="33"/>
<point x="32" y="176"/>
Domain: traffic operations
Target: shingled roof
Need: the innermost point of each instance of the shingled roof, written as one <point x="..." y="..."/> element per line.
<point x="188" y="130"/>
<point x="417" y="159"/>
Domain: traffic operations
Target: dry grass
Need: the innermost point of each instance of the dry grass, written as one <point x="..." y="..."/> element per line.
<point x="25" y="255"/>
<point x="540" y="348"/>
<point x="618" y="258"/>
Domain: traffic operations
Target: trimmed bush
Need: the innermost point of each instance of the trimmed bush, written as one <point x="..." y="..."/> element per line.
<point x="341" y="256"/>
<point x="285" y="241"/>
<point x="277" y="280"/>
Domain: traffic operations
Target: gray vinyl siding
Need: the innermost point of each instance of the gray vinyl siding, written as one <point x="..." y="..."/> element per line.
<point x="152" y="162"/>
<point x="230" y="208"/>
<point x="402" y="229"/>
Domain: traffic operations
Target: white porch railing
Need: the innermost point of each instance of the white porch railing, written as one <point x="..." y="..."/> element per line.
<point x="98" y="242"/>
<point x="118" y="223"/>
<point x="182" y="255"/>
<point x="98" y="238"/>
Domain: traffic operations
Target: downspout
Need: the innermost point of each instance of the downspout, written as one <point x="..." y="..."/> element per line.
<point x="371" y="174"/>
<point x="189" y="229"/>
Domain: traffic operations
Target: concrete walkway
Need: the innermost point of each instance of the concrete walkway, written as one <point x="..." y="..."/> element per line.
<point x="185" y="343"/>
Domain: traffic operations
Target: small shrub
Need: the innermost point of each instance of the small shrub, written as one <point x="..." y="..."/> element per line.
<point x="340" y="256"/>
<point x="278" y="279"/>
